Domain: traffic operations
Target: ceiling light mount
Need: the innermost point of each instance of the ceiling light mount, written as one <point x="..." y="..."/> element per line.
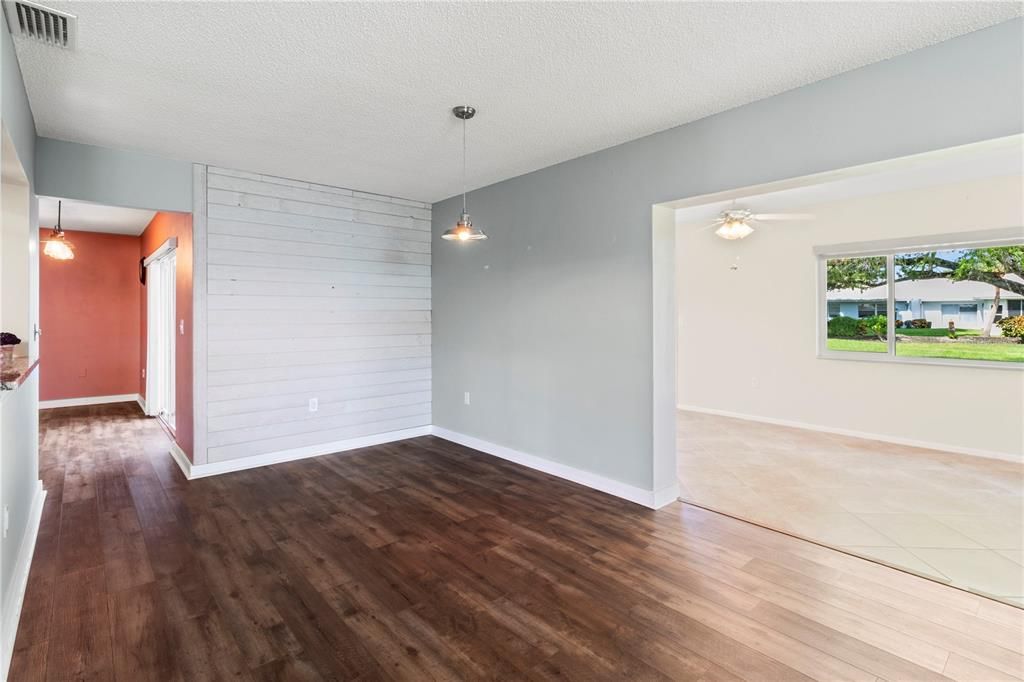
<point x="464" y="230"/>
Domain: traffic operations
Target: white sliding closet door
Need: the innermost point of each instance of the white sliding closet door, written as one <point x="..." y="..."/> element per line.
<point x="160" y="335"/>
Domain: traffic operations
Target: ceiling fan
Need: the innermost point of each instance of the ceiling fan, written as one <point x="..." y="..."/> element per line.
<point x="735" y="223"/>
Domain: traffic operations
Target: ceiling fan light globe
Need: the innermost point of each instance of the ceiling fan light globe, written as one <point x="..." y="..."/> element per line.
<point x="734" y="229"/>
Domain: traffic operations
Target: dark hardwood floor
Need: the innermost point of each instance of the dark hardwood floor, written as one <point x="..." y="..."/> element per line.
<point x="425" y="560"/>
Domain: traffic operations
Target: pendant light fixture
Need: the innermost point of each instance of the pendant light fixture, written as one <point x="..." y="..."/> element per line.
<point x="464" y="230"/>
<point x="57" y="246"/>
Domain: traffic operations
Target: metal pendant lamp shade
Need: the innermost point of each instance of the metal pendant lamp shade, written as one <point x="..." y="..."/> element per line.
<point x="464" y="230"/>
<point x="57" y="246"/>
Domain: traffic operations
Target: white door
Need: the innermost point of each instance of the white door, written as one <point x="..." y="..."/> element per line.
<point x="160" y="335"/>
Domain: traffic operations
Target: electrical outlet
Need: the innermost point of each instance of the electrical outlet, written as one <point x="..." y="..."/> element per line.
<point x="465" y="397"/>
<point x="181" y="327"/>
<point x="7" y="520"/>
<point x="314" y="404"/>
<point x="143" y="372"/>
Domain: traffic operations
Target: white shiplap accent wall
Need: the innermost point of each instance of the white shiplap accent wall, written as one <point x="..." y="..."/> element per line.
<point x="312" y="292"/>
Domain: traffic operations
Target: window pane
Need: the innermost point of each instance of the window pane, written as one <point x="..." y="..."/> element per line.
<point x="856" y="295"/>
<point x="951" y="303"/>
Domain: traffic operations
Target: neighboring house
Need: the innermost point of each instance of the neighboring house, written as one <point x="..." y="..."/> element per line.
<point x="939" y="301"/>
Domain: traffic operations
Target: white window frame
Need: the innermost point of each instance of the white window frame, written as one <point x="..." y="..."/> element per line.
<point x="889" y="248"/>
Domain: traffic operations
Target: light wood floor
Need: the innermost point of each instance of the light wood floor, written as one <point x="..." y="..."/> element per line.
<point x="955" y="518"/>
<point x="425" y="560"/>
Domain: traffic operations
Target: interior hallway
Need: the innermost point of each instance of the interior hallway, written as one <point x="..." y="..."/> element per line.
<point x="426" y="560"/>
<point x="954" y="518"/>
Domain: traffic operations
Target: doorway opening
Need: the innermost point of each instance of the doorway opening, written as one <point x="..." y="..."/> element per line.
<point x="116" y="315"/>
<point x="161" y="331"/>
<point x="824" y="377"/>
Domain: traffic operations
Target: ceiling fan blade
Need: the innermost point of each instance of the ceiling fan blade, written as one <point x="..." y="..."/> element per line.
<point x="710" y="226"/>
<point x="783" y="216"/>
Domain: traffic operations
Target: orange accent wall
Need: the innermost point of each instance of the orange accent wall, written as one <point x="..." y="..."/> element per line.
<point x="89" y="313"/>
<point x="163" y="226"/>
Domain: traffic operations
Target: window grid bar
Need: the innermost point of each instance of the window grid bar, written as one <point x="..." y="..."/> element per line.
<point x="890" y="305"/>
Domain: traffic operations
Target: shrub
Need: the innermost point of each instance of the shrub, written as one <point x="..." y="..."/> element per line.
<point x="1012" y="327"/>
<point x="899" y="324"/>
<point x="877" y="325"/>
<point x="844" y="327"/>
<point x="919" y="324"/>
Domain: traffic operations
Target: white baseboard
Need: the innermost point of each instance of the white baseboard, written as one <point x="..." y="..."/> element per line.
<point x="193" y="471"/>
<point x="943" y="447"/>
<point x="19" y="579"/>
<point x="182" y="459"/>
<point x="647" y="498"/>
<point x="142" y="402"/>
<point x="666" y="496"/>
<point x="91" y="400"/>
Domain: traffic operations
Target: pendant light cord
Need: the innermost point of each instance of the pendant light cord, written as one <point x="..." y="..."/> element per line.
<point x="463" y="165"/>
<point x="59" y="229"/>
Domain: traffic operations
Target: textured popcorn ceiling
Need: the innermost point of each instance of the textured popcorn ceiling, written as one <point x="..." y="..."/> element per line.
<point x="358" y="95"/>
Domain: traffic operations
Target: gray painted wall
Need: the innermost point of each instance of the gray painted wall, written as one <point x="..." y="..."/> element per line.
<point x="112" y="176"/>
<point x="17" y="116"/>
<point x="548" y="324"/>
<point x="19" y="454"/>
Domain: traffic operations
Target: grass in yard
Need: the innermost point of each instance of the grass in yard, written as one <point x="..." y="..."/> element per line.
<point x="858" y="345"/>
<point x="937" y="332"/>
<point x="1002" y="352"/>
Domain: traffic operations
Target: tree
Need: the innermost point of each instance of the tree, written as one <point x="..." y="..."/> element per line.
<point x="990" y="316"/>
<point x="856" y="273"/>
<point x="991" y="265"/>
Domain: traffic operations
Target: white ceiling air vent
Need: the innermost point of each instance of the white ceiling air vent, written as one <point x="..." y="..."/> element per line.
<point x="35" y="22"/>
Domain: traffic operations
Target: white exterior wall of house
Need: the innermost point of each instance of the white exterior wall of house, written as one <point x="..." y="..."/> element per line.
<point x="938" y="301"/>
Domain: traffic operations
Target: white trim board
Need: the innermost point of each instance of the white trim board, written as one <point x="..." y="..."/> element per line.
<point x="193" y="471"/>
<point x="170" y="244"/>
<point x="19" y="579"/>
<point x="655" y="499"/>
<point x="90" y="400"/>
<point x="647" y="498"/>
<point x="942" y="447"/>
<point x="182" y="460"/>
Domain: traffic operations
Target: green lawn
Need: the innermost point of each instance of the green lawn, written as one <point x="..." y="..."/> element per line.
<point x="859" y="345"/>
<point x="937" y="332"/>
<point x="1002" y="352"/>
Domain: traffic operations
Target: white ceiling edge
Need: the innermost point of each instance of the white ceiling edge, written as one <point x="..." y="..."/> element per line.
<point x="85" y="216"/>
<point x="991" y="158"/>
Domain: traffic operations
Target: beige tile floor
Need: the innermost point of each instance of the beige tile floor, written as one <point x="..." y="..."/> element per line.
<point x="954" y="518"/>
